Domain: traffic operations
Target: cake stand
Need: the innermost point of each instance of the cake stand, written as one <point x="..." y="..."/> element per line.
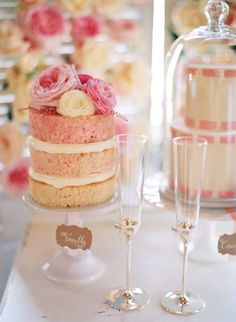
<point x="72" y="265"/>
<point x="212" y="221"/>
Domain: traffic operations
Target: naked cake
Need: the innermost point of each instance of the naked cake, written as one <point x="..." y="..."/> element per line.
<point x="71" y="122"/>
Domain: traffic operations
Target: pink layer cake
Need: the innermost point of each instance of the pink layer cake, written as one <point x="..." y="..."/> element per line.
<point x="55" y="128"/>
<point x="72" y="144"/>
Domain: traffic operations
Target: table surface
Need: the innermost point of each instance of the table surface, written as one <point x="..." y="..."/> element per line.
<point x="156" y="267"/>
<point x="14" y="218"/>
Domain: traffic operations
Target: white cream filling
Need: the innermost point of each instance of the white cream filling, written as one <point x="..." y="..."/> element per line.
<point x="58" y="182"/>
<point x="71" y="148"/>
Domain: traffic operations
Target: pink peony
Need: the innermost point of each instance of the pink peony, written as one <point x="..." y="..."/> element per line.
<point x="44" y="26"/>
<point x="231" y="18"/>
<point x="101" y="94"/>
<point x="84" y="78"/>
<point x="15" y="178"/>
<point x="52" y="84"/>
<point x="85" y="27"/>
<point x="123" y="29"/>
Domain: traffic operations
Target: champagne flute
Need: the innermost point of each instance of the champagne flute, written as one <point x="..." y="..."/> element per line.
<point x="189" y="159"/>
<point x="131" y="154"/>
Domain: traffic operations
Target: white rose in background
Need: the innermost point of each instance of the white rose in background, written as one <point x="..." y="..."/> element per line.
<point x="12" y="143"/>
<point x="11" y="39"/>
<point x="76" y="6"/>
<point x="94" y="55"/>
<point x="186" y="16"/>
<point x="139" y="2"/>
<point x="130" y="79"/>
<point x="22" y="99"/>
<point x="25" y="4"/>
<point x="109" y="8"/>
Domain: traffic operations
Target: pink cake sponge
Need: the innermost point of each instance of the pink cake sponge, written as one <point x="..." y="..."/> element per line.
<point x="72" y="165"/>
<point x="58" y="129"/>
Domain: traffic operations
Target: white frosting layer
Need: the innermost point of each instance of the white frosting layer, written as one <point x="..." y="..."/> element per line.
<point x="71" y="148"/>
<point x="58" y="182"/>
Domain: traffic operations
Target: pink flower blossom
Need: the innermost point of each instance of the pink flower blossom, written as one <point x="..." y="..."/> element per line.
<point x="51" y="84"/>
<point x="231" y="18"/>
<point x="44" y="26"/>
<point x="84" y="78"/>
<point x="123" y="29"/>
<point x="101" y="94"/>
<point x="85" y="27"/>
<point x="15" y="178"/>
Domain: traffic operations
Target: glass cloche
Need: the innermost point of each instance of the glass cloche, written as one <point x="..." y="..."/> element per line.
<point x="200" y="100"/>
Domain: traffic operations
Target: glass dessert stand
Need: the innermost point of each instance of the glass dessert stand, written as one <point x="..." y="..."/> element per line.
<point x="213" y="222"/>
<point x="69" y="265"/>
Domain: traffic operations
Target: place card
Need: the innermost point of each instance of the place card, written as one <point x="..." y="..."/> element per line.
<point x="227" y="244"/>
<point x="74" y="237"/>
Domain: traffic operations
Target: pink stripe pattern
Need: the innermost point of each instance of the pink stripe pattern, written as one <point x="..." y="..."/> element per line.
<point x="190" y="122"/>
<point x="228" y="125"/>
<point x="207" y="125"/>
<point x="210" y="72"/>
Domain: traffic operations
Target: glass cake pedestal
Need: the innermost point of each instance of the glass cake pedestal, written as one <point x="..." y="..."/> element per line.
<point x="72" y="265"/>
<point x="213" y="221"/>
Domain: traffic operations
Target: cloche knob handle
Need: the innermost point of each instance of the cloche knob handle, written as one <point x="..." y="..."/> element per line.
<point x="216" y="12"/>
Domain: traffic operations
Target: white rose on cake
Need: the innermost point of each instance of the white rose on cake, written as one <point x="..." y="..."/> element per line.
<point x="75" y="103"/>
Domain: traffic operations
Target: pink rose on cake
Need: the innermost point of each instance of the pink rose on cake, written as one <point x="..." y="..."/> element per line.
<point x="59" y="89"/>
<point x="51" y="84"/>
<point x="84" y="78"/>
<point x="101" y="94"/>
<point x="15" y="178"/>
<point x="85" y="27"/>
<point x="45" y="26"/>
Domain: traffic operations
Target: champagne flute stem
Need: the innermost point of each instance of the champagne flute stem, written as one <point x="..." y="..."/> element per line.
<point x="128" y="271"/>
<point x="184" y="270"/>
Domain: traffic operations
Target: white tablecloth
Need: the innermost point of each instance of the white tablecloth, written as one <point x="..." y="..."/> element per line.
<point x="156" y="267"/>
<point x="13" y="220"/>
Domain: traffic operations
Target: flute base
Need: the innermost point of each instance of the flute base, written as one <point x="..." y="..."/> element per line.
<point x="73" y="266"/>
<point x="128" y="300"/>
<point x="173" y="302"/>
